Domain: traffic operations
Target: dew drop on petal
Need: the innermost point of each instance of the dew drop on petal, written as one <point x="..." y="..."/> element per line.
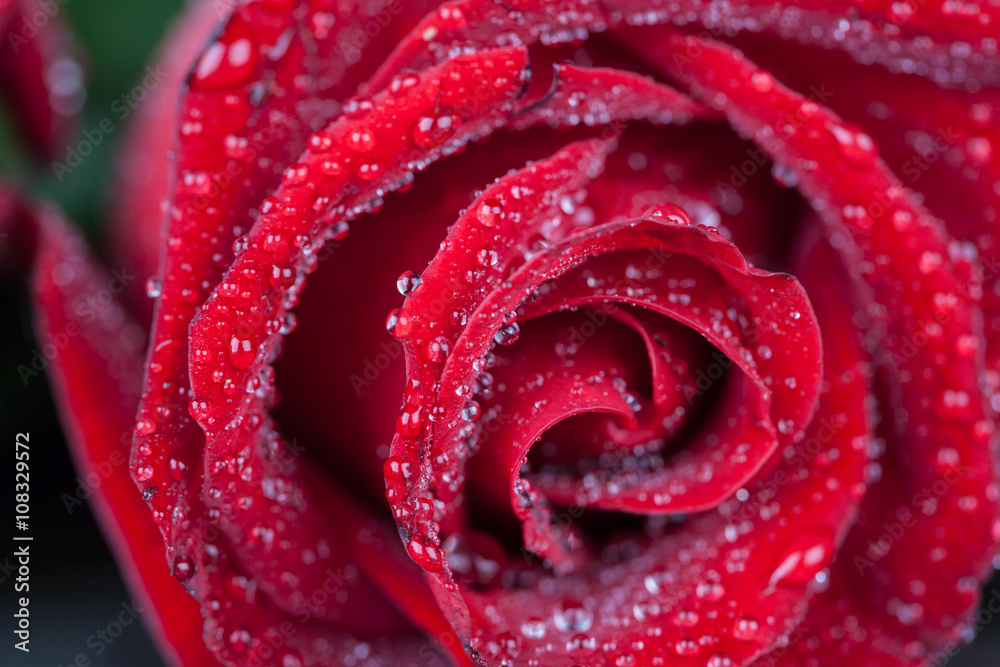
<point x="533" y="628"/>
<point x="490" y="212"/>
<point x="433" y="128"/>
<point x="438" y="349"/>
<point x="408" y="422"/>
<point x="154" y="288"/>
<point x="183" y="568"/>
<point x="508" y="334"/>
<point x="145" y="426"/>
<point x="241" y="352"/>
<point x="747" y="629"/>
<point x="804" y="557"/>
<point x="407" y="282"/>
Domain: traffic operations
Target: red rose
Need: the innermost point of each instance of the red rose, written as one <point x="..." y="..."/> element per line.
<point x="697" y="369"/>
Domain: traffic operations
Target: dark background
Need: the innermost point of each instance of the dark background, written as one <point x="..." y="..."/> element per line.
<point x="75" y="588"/>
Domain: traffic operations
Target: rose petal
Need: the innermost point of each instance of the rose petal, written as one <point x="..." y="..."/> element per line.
<point x="141" y="179"/>
<point x="595" y="96"/>
<point x="955" y="49"/>
<point x="533" y="623"/>
<point x="96" y="376"/>
<point x="927" y="300"/>
<point x="37" y="75"/>
<point x="249" y="82"/>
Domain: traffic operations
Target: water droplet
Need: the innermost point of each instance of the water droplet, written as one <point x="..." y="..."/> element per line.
<point x="571" y="616"/>
<point x="901" y="220"/>
<point x="361" y="140"/>
<point x="145" y="426"/>
<point x="805" y="556"/>
<point x="490" y="213"/>
<point x="434" y="127"/>
<point x="396" y="468"/>
<point x="358" y="107"/>
<point x="471" y="412"/>
<point x="747" y="629"/>
<point x="533" y="628"/>
<point x="686" y="618"/>
<point x="240" y="244"/>
<point x="294" y="175"/>
<point x="687" y="647"/>
<point x="901" y="12"/>
<point x="407" y="282"/>
<point x="784" y="176"/>
<point x="331" y="167"/>
<point x="710" y="590"/>
<point x="487" y="257"/>
<point x="408" y="422"/>
<point x="320" y="142"/>
<point x="855" y="146"/>
<point x="980" y="150"/>
<point x="237" y="147"/>
<point x="426" y="556"/>
<point x="154" y="288"/>
<point x="369" y="171"/>
<point x="581" y="646"/>
<point x="438" y="349"/>
<point x="403" y="82"/>
<point x="241" y="352"/>
<point x="176" y="469"/>
<point x="761" y="81"/>
<point x="288" y="324"/>
<point x="508" y="334"/>
<point x="398" y="324"/>
<point x="228" y="61"/>
<point x="183" y="568"/>
<point x="239" y="640"/>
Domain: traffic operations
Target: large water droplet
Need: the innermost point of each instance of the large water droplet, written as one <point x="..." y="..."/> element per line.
<point x="434" y="127"/>
<point x="361" y="140"/>
<point x="438" y="349"/>
<point x="229" y="61"/>
<point x="241" y="352"/>
<point x="508" y="334"/>
<point x="490" y="212"/>
<point x="154" y="288"/>
<point x="747" y="629"/>
<point x="408" y="422"/>
<point x="145" y="426"/>
<point x="687" y="647"/>
<point x="407" y="282"/>
<point x="183" y="568"/>
<point x="804" y="557"/>
<point x="533" y="628"/>
<point x="571" y="616"/>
